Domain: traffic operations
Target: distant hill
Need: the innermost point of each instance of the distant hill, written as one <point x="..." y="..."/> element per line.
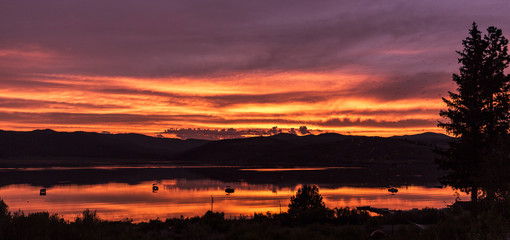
<point x="283" y="149"/>
<point x="49" y="144"/>
<point x="433" y="139"/>
<point x="325" y="149"/>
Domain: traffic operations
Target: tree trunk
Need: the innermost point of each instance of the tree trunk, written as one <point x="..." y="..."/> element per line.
<point x="474" y="201"/>
<point x="474" y="194"/>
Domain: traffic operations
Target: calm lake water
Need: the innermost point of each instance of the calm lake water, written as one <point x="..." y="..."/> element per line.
<point x="120" y="193"/>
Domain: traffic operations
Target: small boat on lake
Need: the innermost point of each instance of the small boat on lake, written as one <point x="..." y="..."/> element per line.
<point x="155" y="187"/>
<point x="392" y="190"/>
<point x="229" y="190"/>
<point x="42" y="192"/>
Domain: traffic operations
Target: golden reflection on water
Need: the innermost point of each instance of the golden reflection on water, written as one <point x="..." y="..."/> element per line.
<point x="118" y="201"/>
<point x="294" y="169"/>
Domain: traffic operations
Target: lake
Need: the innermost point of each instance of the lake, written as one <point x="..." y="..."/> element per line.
<point x="118" y="192"/>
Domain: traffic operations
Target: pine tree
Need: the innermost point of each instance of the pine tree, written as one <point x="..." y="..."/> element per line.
<point x="496" y="97"/>
<point x="478" y="115"/>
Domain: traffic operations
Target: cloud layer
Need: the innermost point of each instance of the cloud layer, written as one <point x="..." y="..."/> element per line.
<point x="366" y="67"/>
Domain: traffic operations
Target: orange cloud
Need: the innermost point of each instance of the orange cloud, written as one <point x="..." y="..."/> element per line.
<point x="150" y="105"/>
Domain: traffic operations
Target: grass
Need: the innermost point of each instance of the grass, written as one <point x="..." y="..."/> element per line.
<point x="344" y="223"/>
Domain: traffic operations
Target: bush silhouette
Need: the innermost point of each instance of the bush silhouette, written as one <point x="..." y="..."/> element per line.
<point x="4" y="209"/>
<point x="307" y="205"/>
<point x="88" y="218"/>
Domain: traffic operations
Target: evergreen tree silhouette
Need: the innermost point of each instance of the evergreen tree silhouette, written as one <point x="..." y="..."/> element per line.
<point x="478" y="115"/>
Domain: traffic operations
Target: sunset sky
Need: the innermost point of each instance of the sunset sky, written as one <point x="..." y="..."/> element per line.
<point x="355" y="67"/>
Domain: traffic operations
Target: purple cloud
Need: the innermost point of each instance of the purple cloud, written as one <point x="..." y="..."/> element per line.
<point x="161" y="38"/>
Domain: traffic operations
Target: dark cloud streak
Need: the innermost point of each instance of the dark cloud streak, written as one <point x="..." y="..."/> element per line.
<point x="18" y="103"/>
<point x="89" y="118"/>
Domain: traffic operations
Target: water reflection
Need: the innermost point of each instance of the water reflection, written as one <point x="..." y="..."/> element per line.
<point x="332" y="177"/>
<point x="116" y="167"/>
<point x="192" y="197"/>
<point x="295" y="169"/>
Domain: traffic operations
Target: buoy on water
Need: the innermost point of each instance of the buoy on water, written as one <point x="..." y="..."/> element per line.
<point x="392" y="190"/>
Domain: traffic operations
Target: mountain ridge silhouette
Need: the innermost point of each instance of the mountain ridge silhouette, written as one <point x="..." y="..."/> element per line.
<point x="282" y="149"/>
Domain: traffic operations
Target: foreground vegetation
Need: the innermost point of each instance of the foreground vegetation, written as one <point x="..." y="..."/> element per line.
<point x="316" y="223"/>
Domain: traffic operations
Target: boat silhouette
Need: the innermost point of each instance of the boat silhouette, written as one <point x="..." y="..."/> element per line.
<point x="228" y="189"/>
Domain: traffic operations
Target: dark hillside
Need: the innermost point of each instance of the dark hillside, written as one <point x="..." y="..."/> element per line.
<point x="283" y="149"/>
<point x="428" y="138"/>
<point x="49" y="143"/>
<point x="327" y="149"/>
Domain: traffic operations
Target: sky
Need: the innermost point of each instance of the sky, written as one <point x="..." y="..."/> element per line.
<point x="361" y="67"/>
